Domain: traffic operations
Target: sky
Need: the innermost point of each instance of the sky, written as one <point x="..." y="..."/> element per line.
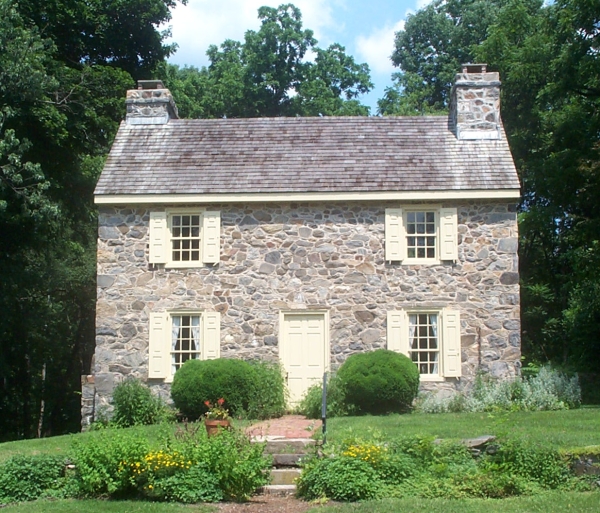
<point x="365" y="28"/>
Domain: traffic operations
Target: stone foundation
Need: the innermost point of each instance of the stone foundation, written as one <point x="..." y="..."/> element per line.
<point x="303" y="256"/>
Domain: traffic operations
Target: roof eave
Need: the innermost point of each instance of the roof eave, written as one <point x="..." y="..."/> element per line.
<point x="279" y="197"/>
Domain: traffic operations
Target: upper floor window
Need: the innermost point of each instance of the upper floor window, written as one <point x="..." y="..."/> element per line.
<point x="185" y="237"/>
<point x="421" y="235"/>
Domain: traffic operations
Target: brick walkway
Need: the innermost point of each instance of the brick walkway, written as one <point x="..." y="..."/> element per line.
<point x="288" y="426"/>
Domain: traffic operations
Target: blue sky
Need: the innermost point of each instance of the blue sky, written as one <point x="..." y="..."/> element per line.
<point x="365" y="28"/>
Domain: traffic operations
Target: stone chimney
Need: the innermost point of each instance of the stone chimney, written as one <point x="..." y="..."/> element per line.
<point x="150" y="104"/>
<point x="475" y="103"/>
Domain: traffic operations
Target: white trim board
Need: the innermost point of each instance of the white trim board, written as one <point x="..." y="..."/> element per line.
<point x="428" y="196"/>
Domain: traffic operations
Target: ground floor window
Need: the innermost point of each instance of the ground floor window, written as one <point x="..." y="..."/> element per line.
<point x="424" y="342"/>
<point x="185" y="340"/>
<point x="430" y="338"/>
<point x="178" y="336"/>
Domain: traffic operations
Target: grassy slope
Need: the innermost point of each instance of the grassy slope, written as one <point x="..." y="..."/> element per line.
<point x="60" y="445"/>
<point x="564" y="429"/>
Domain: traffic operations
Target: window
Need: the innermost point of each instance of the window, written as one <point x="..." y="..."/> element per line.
<point x="430" y="338"/>
<point x="423" y="342"/>
<point x="185" y="237"/>
<point x="176" y="337"/>
<point x="185" y="340"/>
<point x="421" y="235"/>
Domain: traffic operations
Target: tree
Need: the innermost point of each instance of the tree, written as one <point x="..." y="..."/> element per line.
<point x="267" y="75"/>
<point x="435" y="41"/>
<point x="551" y="71"/>
<point x="64" y="70"/>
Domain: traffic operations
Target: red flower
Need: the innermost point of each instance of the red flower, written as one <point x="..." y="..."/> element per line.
<point x="220" y="401"/>
<point x="207" y="402"/>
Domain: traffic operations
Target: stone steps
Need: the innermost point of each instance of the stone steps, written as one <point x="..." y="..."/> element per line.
<point x="286" y="453"/>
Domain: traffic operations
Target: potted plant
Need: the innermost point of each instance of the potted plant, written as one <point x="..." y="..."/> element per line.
<point x="216" y="417"/>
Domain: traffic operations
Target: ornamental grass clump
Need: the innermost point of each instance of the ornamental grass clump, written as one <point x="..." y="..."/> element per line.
<point x="548" y="389"/>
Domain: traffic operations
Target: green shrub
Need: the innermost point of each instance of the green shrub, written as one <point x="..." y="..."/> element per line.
<point x="544" y="465"/>
<point x="27" y="478"/>
<point x="101" y="462"/>
<point x="310" y="405"/>
<point x="198" y="381"/>
<point x="267" y="395"/>
<point x="188" y="467"/>
<point x="197" y="484"/>
<point x="239" y="465"/>
<point x="342" y="478"/>
<point x="379" y="382"/>
<point x="254" y="390"/>
<point x="135" y="405"/>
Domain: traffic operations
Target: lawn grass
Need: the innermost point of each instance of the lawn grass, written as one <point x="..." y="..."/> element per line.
<point x="60" y="445"/>
<point x="551" y="502"/>
<point x="562" y="429"/>
<point x="101" y="506"/>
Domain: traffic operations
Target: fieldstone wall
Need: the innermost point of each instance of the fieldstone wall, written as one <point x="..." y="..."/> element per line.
<point x="303" y="256"/>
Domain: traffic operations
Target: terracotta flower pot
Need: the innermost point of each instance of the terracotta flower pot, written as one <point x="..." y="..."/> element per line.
<point x="213" y="425"/>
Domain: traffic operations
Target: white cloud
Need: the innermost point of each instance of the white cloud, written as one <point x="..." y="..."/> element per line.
<point x="201" y="23"/>
<point x="422" y="3"/>
<point x="377" y="47"/>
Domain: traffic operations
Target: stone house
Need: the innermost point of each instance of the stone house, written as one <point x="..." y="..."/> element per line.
<point x="307" y="240"/>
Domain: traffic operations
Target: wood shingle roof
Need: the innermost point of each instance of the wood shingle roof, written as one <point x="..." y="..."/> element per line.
<point x="279" y="155"/>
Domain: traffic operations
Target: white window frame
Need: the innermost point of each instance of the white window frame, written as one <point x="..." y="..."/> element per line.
<point x="160" y="343"/>
<point x="161" y="238"/>
<point x="396" y="235"/>
<point x="448" y="339"/>
<point x="422" y="260"/>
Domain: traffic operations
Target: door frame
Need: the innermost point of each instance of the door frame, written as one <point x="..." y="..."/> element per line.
<point x="326" y="345"/>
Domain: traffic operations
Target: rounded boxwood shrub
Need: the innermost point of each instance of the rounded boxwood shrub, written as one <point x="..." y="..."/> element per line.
<point x="198" y="381"/>
<point x="379" y="382"/>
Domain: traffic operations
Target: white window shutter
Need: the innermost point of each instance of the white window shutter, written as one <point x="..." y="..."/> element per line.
<point x="158" y="346"/>
<point x="448" y="234"/>
<point x="211" y="237"/>
<point x="395" y="240"/>
<point x="451" y="343"/>
<point x="211" y="335"/>
<point x="397" y="332"/>
<point x="159" y="239"/>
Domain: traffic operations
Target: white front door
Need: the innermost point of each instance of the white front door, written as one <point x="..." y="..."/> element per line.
<point x="303" y="351"/>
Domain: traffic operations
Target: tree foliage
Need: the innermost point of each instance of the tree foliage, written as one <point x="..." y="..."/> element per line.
<point x="64" y="70"/>
<point x="268" y="75"/>
<point x="549" y="63"/>
<point x="435" y="41"/>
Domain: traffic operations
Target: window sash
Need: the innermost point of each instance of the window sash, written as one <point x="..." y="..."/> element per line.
<point x="421" y="231"/>
<point x="186" y="237"/>
<point x="185" y="340"/>
<point x="424" y="342"/>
